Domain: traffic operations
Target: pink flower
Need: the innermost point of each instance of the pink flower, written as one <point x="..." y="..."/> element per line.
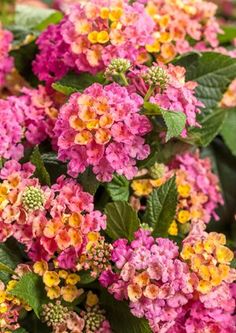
<point x="6" y="62"/>
<point x="96" y="129"/>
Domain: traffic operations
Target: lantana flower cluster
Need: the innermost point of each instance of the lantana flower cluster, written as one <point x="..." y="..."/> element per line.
<point x="6" y="61"/>
<point x="198" y="189"/>
<point x="91" y="35"/>
<point x="151" y="277"/>
<point x="102" y="128"/>
<point x="169" y="292"/>
<point x="46" y="220"/>
<point x="25" y="120"/>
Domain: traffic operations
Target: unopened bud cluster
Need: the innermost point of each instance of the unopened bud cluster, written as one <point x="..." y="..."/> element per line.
<point x="94" y="317"/>
<point x="54" y="314"/>
<point x="156" y="76"/>
<point x="157" y="170"/>
<point x="117" y="66"/>
<point x="33" y="198"/>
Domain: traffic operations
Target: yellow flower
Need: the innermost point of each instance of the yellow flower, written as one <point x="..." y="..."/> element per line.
<point x="204" y="273"/>
<point x="224" y="255"/>
<point x="11" y="285"/>
<point x="92" y="299"/>
<point x="187" y="252"/>
<point x="2" y="296"/>
<point x="184" y="190"/>
<point x="53" y="292"/>
<point x="183" y="216"/>
<point x="40" y="267"/>
<point x="104" y="13"/>
<point x="142" y="187"/>
<point x="63" y="274"/>
<point x="51" y="279"/>
<point x="173" y="229"/>
<point x="69" y="293"/>
<point x="204" y="287"/>
<point x="72" y="279"/>
<point x="3" y="308"/>
<point x="92" y="37"/>
<point x="209" y="246"/>
<point x="115" y="14"/>
<point x="153" y="48"/>
<point x="198" y="247"/>
<point x="103" y="37"/>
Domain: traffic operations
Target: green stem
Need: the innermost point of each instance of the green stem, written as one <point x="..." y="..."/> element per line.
<point x="124" y="79"/>
<point x="149" y="93"/>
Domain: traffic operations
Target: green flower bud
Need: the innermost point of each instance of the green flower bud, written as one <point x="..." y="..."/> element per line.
<point x="156" y="77"/>
<point x="33" y="198"/>
<point x="117" y="66"/>
<point x="157" y="170"/>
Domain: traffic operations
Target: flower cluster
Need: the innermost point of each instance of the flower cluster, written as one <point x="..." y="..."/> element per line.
<point x="6" y="62"/>
<point x="90" y="320"/>
<point x="198" y="189"/>
<point x="47" y="220"/>
<point x="179" y="21"/>
<point x="156" y="283"/>
<point x="102" y="128"/>
<point x="29" y="117"/>
<point x="91" y="35"/>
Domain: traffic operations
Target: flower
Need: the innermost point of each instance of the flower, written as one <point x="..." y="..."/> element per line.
<point x="51" y="279"/>
<point x="6" y="61"/>
<point x="102" y="128"/>
<point x="151" y="277"/>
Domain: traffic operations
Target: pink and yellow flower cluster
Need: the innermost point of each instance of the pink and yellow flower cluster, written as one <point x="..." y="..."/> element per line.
<point x="48" y="221"/>
<point x="102" y="128"/>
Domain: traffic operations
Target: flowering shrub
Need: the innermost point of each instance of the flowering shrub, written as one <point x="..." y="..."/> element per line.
<point x="117" y="167"/>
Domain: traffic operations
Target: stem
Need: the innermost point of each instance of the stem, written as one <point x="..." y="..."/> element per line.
<point x="124" y="79"/>
<point x="149" y="93"/>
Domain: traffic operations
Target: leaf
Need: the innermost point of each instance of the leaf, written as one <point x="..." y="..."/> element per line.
<point x="210" y="127"/>
<point x="54" y="167"/>
<point x="9" y="256"/>
<point x="122" y="220"/>
<point x="6" y="269"/>
<point x="228" y="131"/>
<point x="228" y="35"/>
<point x="175" y="123"/>
<point x="161" y="208"/>
<point x="30" y="288"/>
<point x="120" y="317"/>
<point x="40" y="172"/>
<point x="151" y="109"/>
<point x="86" y="278"/>
<point x="212" y="71"/>
<point x="20" y="330"/>
<point x="88" y="181"/>
<point x="30" y="18"/>
<point x="73" y="82"/>
<point x="118" y="188"/>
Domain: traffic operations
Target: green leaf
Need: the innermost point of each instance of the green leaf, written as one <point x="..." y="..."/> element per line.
<point x="122" y="220"/>
<point x="31" y="18"/>
<point x="30" y="288"/>
<point x="118" y="188"/>
<point x="212" y="71"/>
<point x="210" y="127"/>
<point x="6" y="269"/>
<point x="88" y="181"/>
<point x="120" y="317"/>
<point x="228" y="131"/>
<point x="73" y="82"/>
<point x="161" y="208"/>
<point x="9" y="256"/>
<point x="175" y="123"/>
<point x="151" y="109"/>
<point x="228" y="35"/>
<point x="40" y="172"/>
<point x="85" y="277"/>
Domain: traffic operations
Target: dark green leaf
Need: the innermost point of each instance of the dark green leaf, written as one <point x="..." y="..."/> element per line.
<point x="151" y="109"/>
<point x="73" y="82"/>
<point x="6" y="269"/>
<point x="228" y="131"/>
<point x="212" y="71"/>
<point x="122" y="220"/>
<point x="89" y="181"/>
<point x="118" y="188"/>
<point x="86" y="278"/>
<point x="31" y="289"/>
<point x="40" y="172"/>
<point x="120" y="317"/>
<point x="20" y="330"/>
<point x="161" y="208"/>
<point x="175" y="123"/>
<point x="10" y="256"/>
<point x="210" y="127"/>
